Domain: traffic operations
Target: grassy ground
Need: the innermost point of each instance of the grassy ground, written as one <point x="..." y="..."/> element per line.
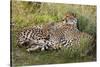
<point x="27" y="14"/>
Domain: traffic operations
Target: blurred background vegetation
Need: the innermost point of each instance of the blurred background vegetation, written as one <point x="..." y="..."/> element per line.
<point x="27" y="14"/>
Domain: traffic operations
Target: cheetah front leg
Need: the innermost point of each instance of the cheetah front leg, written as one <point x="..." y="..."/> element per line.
<point x="41" y="47"/>
<point x="33" y="48"/>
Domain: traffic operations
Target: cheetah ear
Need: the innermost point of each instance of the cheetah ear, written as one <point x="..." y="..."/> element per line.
<point x="74" y="15"/>
<point x="64" y="18"/>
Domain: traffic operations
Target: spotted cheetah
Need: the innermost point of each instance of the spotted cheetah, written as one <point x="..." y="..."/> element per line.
<point x="66" y="33"/>
<point x="35" y="35"/>
<point x="53" y="35"/>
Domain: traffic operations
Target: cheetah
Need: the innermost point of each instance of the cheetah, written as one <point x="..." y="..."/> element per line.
<point x="33" y="36"/>
<point x="65" y="32"/>
<point x="53" y="35"/>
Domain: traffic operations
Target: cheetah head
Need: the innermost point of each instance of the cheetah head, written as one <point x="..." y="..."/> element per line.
<point x="22" y="40"/>
<point x="70" y="18"/>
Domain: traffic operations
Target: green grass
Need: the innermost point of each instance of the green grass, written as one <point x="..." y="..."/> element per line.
<point x="27" y="14"/>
